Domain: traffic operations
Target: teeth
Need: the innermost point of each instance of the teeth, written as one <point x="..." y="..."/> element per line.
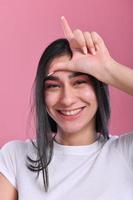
<point x="72" y="112"/>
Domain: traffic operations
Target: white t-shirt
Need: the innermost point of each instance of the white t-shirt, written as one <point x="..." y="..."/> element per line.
<point x="99" y="171"/>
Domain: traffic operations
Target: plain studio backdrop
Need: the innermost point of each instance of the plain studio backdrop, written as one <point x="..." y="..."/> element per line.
<point x="28" y="26"/>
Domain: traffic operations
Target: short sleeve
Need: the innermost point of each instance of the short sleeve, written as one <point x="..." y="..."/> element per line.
<point x="125" y="146"/>
<point x="8" y="162"/>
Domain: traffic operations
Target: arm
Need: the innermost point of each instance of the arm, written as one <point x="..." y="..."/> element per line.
<point x="7" y="191"/>
<point x="91" y="56"/>
<point x="121" y="77"/>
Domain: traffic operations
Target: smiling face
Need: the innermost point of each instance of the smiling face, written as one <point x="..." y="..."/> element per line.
<point x="71" y="101"/>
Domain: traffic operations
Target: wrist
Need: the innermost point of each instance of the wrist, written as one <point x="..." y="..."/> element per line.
<point x="110" y="69"/>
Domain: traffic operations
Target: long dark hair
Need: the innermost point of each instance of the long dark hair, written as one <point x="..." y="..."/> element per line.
<point x="45" y="125"/>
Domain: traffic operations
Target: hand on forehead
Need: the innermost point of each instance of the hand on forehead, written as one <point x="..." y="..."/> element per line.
<point x="89" y="51"/>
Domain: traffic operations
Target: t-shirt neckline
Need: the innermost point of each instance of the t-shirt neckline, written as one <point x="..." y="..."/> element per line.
<point x="78" y="150"/>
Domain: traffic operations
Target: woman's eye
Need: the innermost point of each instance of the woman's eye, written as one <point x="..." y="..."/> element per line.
<point x="79" y="82"/>
<point x="52" y="86"/>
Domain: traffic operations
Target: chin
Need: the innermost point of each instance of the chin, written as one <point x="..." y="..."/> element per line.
<point x="72" y="129"/>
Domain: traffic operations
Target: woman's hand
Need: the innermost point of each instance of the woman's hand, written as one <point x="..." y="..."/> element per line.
<point x="90" y="55"/>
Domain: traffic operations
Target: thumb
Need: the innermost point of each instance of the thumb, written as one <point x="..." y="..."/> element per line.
<point x="62" y="66"/>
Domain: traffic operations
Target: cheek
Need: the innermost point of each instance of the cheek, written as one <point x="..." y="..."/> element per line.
<point x="50" y="99"/>
<point x="89" y="95"/>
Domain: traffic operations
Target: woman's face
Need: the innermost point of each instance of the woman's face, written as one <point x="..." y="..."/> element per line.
<point x="70" y="99"/>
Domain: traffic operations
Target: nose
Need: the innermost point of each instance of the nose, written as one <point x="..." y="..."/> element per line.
<point x="68" y="97"/>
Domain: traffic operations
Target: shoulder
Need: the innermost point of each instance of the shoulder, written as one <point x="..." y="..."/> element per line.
<point x="123" y="145"/>
<point x="120" y="143"/>
<point x="14" y="143"/>
<point x="122" y="140"/>
<point x="17" y="147"/>
<point x="13" y="158"/>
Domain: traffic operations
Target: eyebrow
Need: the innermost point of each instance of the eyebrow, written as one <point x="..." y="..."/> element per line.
<point x="72" y="75"/>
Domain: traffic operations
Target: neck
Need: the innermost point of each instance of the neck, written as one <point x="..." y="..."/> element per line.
<point x="76" y="139"/>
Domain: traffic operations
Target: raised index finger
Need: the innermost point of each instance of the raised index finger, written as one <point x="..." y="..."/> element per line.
<point x="66" y="28"/>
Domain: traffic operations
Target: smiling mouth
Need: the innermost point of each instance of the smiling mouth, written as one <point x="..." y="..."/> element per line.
<point x="70" y="112"/>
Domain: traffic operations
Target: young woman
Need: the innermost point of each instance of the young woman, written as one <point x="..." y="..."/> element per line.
<point x="73" y="156"/>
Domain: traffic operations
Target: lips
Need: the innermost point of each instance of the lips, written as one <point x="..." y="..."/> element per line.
<point x="70" y="114"/>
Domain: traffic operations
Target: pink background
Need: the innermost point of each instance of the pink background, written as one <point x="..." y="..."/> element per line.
<point x="27" y="27"/>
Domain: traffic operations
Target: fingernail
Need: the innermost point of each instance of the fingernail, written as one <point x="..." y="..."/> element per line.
<point x="62" y="17"/>
<point x="84" y="50"/>
<point x="93" y="51"/>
